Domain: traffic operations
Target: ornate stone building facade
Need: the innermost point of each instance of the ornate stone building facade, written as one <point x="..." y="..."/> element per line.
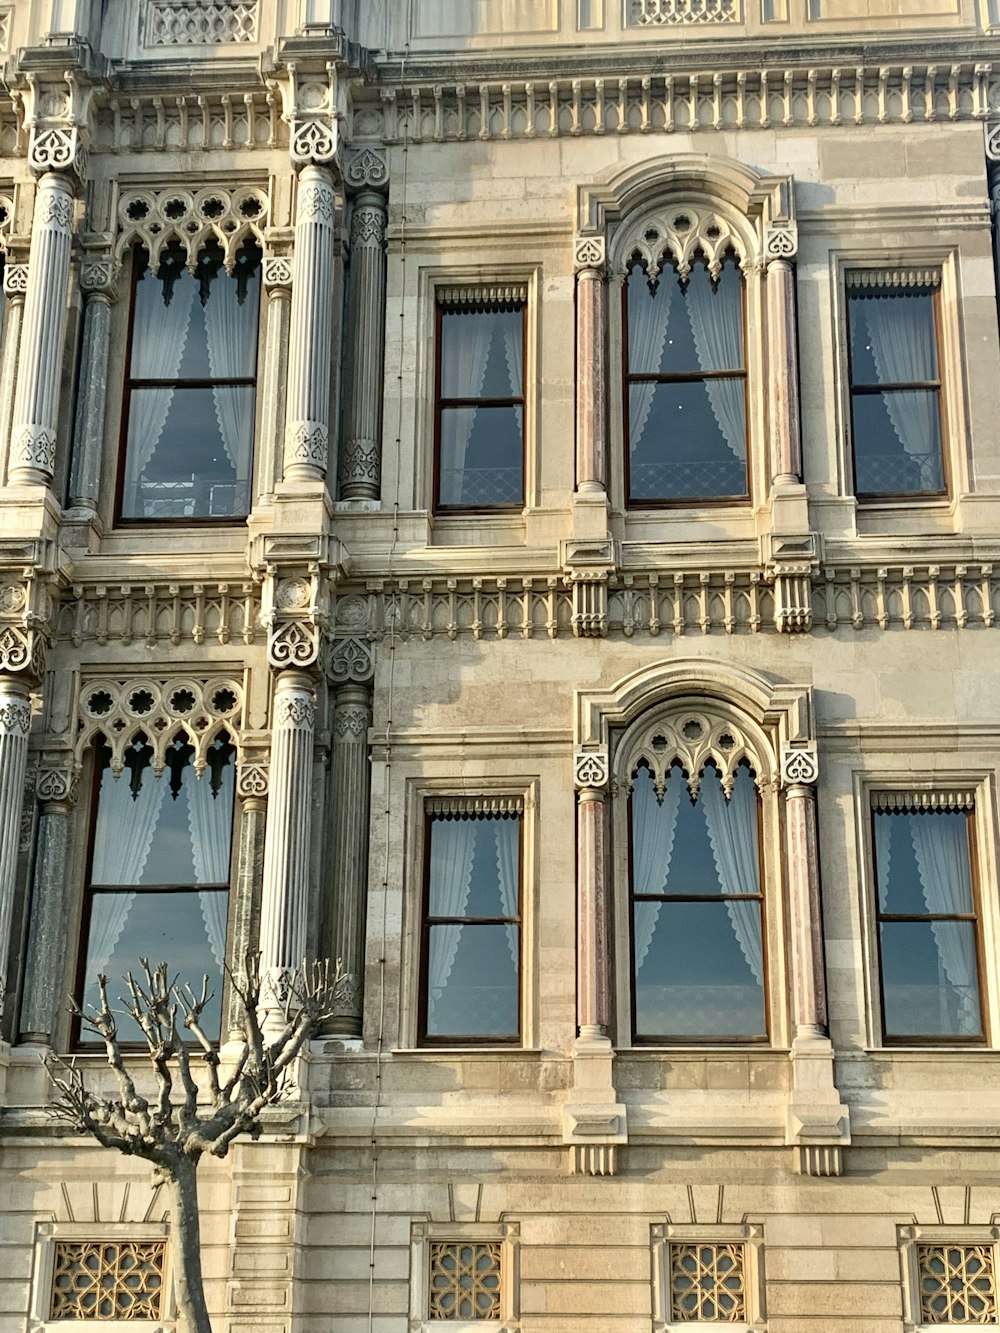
<point x="506" y="493"/>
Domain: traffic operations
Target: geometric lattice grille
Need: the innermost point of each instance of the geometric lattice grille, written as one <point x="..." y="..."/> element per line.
<point x="464" y="1280"/>
<point x="707" y="1283"/>
<point x="117" y="1280"/>
<point x="957" y="1284"/>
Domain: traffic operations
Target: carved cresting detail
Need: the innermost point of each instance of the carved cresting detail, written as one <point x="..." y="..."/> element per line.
<point x="190" y="218"/>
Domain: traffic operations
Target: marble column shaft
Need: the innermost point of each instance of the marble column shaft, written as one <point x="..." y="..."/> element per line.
<point x="88" y="435"/>
<point x="591" y="450"/>
<point x="43" y="331"/>
<point x="592" y="913"/>
<point x="285" y="881"/>
<point x="783" y="373"/>
<point x="361" y="464"/>
<point x="46" y="958"/>
<point x="273" y="382"/>
<point x="352" y="798"/>
<point x="307" y="420"/>
<point x="13" y="317"/>
<point x="15" y="721"/>
<point x="245" y="910"/>
<point x="808" y="976"/>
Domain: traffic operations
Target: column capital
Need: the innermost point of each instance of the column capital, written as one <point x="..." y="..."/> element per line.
<point x="15" y="280"/>
<point x="278" y="272"/>
<point x="366" y="169"/>
<point x="350" y="659"/>
<point x="99" y="277"/>
<point x="992" y="132"/>
<point x="590" y="774"/>
<point x="58" y="784"/>
<point x="589" y="256"/>
<point x="799" y="770"/>
<point x="781" y="244"/>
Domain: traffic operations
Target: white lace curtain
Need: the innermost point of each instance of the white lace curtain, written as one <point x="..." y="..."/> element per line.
<point x="465" y="359"/>
<point x="653" y="830"/>
<point x="231" y="334"/>
<point x="159" y="336"/>
<point x="732" y="831"/>
<point x="210" y="818"/>
<point x="716" y="314"/>
<point x="901" y="337"/>
<point x="648" y="319"/>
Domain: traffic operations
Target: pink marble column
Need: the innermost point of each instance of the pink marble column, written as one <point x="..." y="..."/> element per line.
<point x="592" y="912"/>
<point x="591" y="406"/>
<point x="783" y="371"/>
<point x="808" y="976"/>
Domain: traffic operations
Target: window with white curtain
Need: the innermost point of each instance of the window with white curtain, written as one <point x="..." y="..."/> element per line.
<point x="928" y="919"/>
<point x="159" y="871"/>
<point x="188" y="419"/>
<point x="480" y="398"/>
<point x="685" y="385"/>
<point x="471" y="954"/>
<point x="895" y="382"/>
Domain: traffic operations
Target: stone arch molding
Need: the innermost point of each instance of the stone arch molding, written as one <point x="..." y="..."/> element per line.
<point x="738" y="714"/>
<point x="154" y="217"/>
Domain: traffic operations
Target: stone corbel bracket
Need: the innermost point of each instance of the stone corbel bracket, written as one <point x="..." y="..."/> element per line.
<point x="593" y="1135"/>
<point x="29" y="585"/>
<point x="790" y="565"/>
<point x="56" y="105"/>
<point x="311" y="106"/>
<point x="587" y="565"/>
<point x="298" y="577"/>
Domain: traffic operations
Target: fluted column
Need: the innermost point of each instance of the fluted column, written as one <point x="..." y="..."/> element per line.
<point x="96" y="280"/>
<point x="349" y="859"/>
<point x="591" y="406"/>
<point x="15" y="719"/>
<point x="808" y="975"/>
<point x="593" y="975"/>
<point x="36" y="402"/>
<point x="783" y="358"/>
<point x="15" y="284"/>
<point x="361" y="460"/>
<point x="307" y="422"/>
<point x="46" y="957"/>
<point x="274" y="376"/>
<point x="285" y="879"/>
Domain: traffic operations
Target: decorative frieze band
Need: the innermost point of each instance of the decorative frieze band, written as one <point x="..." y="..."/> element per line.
<point x="483" y="296"/>
<point x="923" y="800"/>
<point x="862" y="279"/>
<point x="189" y="123"/>
<point x="153" y="613"/>
<point x="200" y="22"/>
<point x="473" y="807"/>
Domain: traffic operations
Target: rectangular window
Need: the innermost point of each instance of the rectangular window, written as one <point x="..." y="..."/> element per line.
<point x="190" y="391"/>
<point x="471" y="957"/>
<point x="685" y="386"/>
<point x="159" y="872"/>
<point x="697" y="910"/>
<point x="895" y="378"/>
<point x="927" y="915"/>
<point x="480" y="398"/>
<point x="463" y="1274"/>
<point x="707" y="1276"/>
<point x="95" y="1280"/>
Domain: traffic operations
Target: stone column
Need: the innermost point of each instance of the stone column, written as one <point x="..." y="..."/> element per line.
<point x="591" y="406"/>
<point x="15" y="284"/>
<point x="307" y="422"/>
<point x="783" y="358"/>
<point x="285" y="878"/>
<point x="800" y="771"/>
<point x="43" y="331"/>
<point x="274" y="378"/>
<point x="361" y="461"/>
<point x="593" y="974"/>
<point x="46" y="958"/>
<point x="97" y="282"/>
<point x="15" y="719"/>
<point x="251" y="789"/>
<point x="349" y="859"/>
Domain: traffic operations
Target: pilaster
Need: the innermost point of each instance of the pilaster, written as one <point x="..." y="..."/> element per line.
<point x="15" y="722"/>
<point x="252" y="782"/>
<point x="278" y="279"/>
<point x="589" y="258"/>
<point x="15" y="285"/>
<point x="98" y="283"/>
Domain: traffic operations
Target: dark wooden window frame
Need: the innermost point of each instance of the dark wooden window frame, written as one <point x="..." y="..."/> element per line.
<point x="872" y="390"/>
<point x="640" y="1040"/>
<point x="441" y="403"/>
<point x="688" y="377"/>
<point x="201" y="382"/>
<point x="426" y="920"/>
<point x="975" y="917"/>
<point x="83" y="941"/>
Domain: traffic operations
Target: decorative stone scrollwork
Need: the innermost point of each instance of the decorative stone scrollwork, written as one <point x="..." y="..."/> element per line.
<point x="590" y="768"/>
<point x="15" y="279"/>
<point x="589" y="252"/>
<point x="350" y="722"/>
<point x="278" y="271"/>
<point x="154" y="218"/>
<point x="680" y="234"/>
<point x="366" y="169"/>
<point x="295" y="712"/>
<point x="367" y="226"/>
<point x="34" y="447"/>
<point x="22" y="650"/>
<point x="992" y="142"/>
<point x="252" y="780"/>
<point x="15" y="717"/>
<point x="99" y="275"/>
<point x="160" y="710"/>
<point x="308" y="441"/>
<point x="316" y="202"/>
<point x="200" y="22"/>
<point x="351" y="660"/>
<point x="692" y="737"/>
<point x="58" y="784"/>
<point x="293" y="643"/>
<point x="57" y="149"/>
<point x="314" y="140"/>
<point x="781" y="241"/>
<point x="799" y="766"/>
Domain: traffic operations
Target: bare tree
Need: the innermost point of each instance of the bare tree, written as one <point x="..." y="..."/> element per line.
<point x="190" y="1116"/>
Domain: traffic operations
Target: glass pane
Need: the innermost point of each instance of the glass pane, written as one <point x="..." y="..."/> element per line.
<point x="481" y="456"/>
<point x="680" y="328"/>
<point x="474" y="867"/>
<point x="687" y="440"/>
<point x="472" y="981"/>
<point x="897" y="442"/>
<point x="176" y="829"/>
<point x="922" y="862"/>
<point x="702" y="973"/>
<point x="188" y="453"/>
<point x="930" y="979"/>
<point x="892" y="337"/>
<point x="185" y="930"/>
<point x="481" y="353"/>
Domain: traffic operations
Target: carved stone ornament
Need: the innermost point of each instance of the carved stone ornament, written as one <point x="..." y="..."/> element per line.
<point x="15" y="279"/>
<point x="295" y="712"/>
<point x="293" y="643"/>
<point x="15" y="717"/>
<point x="161" y="710"/>
<point x="351" y="660"/>
<point x="351" y="723"/>
<point x="57" y="149"/>
<point x="367" y="225"/>
<point x="190" y="218"/>
<point x="307" y="442"/>
<point x="316" y="202"/>
<point x="22" y="650"/>
<point x="799" y="767"/>
<point x="681" y="234"/>
<point x="367" y="169"/>
<point x="58" y="784"/>
<point x="34" y="447"/>
<point x="314" y="140"/>
<point x="589" y="252"/>
<point x="692" y="736"/>
<point x="590" y="768"/>
<point x="277" y="271"/>
<point x="781" y="241"/>
<point x="252" y="780"/>
<point x="99" y="275"/>
<point x="993" y="142"/>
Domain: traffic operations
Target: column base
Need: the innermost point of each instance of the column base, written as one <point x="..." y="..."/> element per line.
<point x="818" y="1124"/>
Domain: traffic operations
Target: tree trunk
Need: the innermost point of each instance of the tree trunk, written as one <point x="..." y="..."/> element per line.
<point x="189" y="1285"/>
